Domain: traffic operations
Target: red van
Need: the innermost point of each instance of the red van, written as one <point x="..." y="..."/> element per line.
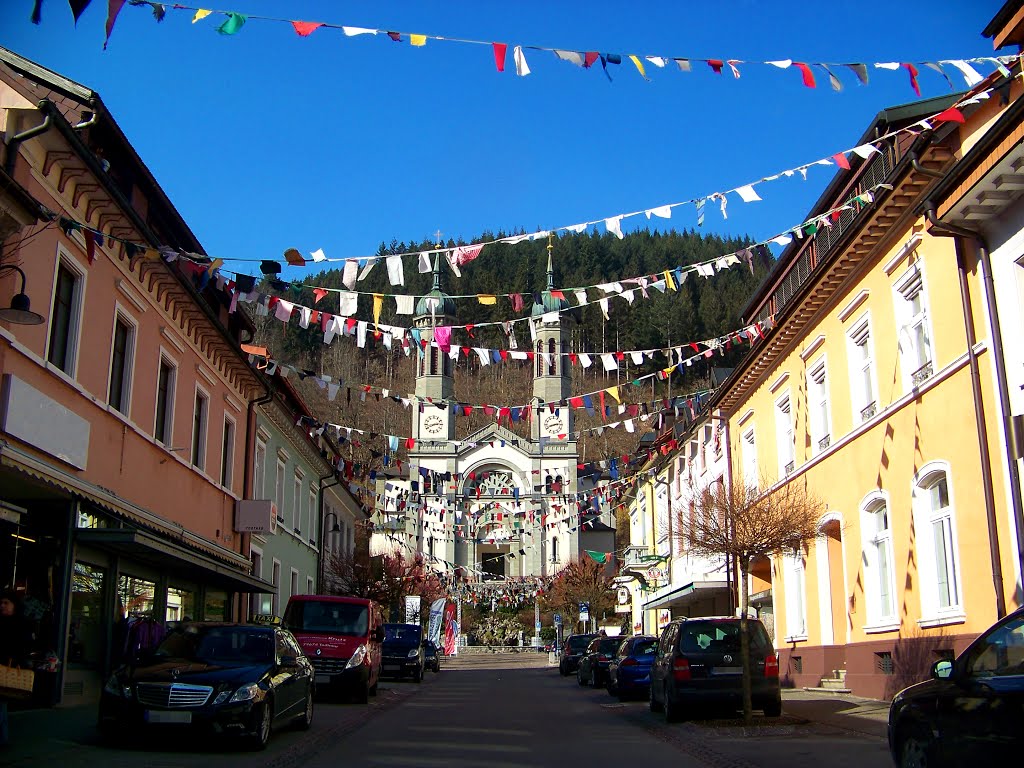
<point x="342" y="637"/>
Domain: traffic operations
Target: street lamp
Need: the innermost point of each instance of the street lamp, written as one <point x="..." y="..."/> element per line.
<point x="20" y="312"/>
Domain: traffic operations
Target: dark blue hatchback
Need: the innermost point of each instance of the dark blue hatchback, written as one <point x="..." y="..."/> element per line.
<point x="629" y="674"/>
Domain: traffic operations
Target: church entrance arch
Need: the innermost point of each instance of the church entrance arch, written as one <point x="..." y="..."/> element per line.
<point x="494" y="496"/>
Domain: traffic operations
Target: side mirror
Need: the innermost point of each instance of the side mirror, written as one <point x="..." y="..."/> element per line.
<point x="942" y="670"/>
<point x="289" y="661"/>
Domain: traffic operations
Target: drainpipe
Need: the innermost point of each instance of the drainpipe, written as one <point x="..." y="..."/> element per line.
<point x="18" y="138"/>
<point x="943" y="229"/>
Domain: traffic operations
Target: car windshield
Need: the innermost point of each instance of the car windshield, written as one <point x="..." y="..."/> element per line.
<point x="403" y="633"/>
<point x="225" y="646"/>
<point x="608" y="645"/>
<point x="720" y="637"/>
<point x="579" y="642"/>
<point x="328" y="617"/>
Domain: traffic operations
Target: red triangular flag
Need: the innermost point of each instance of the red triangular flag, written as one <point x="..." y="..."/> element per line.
<point x="913" y="77"/>
<point x="318" y="294"/>
<point x="306" y="28"/>
<point x="499" y="55"/>
<point x="951" y="115"/>
<point x="716" y="64"/>
<point x="805" y="71"/>
<point x="841" y="161"/>
<point x="589" y="58"/>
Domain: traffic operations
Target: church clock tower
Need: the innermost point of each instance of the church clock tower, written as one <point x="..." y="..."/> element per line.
<point x="552" y="374"/>
<point x="434" y="368"/>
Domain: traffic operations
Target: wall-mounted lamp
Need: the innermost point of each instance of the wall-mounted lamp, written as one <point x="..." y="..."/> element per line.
<point x="20" y="312"/>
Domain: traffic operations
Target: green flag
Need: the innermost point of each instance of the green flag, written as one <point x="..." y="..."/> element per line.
<point x="597" y="557"/>
<point x="234" y="23"/>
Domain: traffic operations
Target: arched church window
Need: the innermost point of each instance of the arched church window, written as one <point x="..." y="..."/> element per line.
<point x="433" y="360"/>
<point x="554" y="550"/>
<point x="538" y="358"/>
<point x="552" y="357"/>
<point x="556" y="486"/>
<point x="548" y="484"/>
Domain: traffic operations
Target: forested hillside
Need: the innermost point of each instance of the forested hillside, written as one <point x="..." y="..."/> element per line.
<point x="702" y="308"/>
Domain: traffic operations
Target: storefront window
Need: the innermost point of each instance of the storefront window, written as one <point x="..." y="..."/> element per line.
<point x="181" y="604"/>
<point x="137" y="596"/>
<point x="85" y="636"/>
<point x="88" y="519"/>
<point x="215" y="607"/>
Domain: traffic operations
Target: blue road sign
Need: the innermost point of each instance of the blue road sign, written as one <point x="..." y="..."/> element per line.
<point x="558" y="619"/>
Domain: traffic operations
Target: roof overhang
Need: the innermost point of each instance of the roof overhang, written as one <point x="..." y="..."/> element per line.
<point x="685" y="595"/>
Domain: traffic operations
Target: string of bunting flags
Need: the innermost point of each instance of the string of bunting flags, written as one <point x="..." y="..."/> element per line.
<point x="232" y="22"/>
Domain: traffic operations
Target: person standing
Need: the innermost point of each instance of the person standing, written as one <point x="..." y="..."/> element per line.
<point x="15" y="645"/>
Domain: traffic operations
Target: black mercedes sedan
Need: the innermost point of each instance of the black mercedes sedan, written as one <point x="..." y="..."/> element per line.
<point x="232" y="679"/>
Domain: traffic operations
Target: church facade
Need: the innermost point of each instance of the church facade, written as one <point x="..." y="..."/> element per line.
<point x="492" y="504"/>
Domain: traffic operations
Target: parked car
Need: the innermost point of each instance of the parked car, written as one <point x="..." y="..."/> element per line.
<point x="402" y="651"/>
<point x="572" y="651"/>
<point x="593" y="667"/>
<point x="971" y="711"/>
<point x="342" y="637"/>
<point x="431" y="656"/>
<point x="629" y="674"/>
<point x="698" y="664"/>
<point x="242" y="679"/>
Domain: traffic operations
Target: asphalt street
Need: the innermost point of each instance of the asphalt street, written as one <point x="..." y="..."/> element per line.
<point x="501" y="711"/>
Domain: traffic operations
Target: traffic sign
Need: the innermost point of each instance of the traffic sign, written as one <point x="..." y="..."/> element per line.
<point x="558" y="619"/>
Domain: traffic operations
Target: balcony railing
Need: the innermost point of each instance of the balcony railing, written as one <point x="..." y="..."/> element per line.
<point x="868" y="411"/>
<point x="824" y="442"/>
<point x="922" y="374"/>
<point x="790" y="466"/>
<point x="637" y="556"/>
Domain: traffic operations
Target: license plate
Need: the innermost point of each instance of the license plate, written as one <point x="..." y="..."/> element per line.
<point x="160" y="716"/>
<point x="392" y="667"/>
<point x="727" y="671"/>
<point x="322" y="679"/>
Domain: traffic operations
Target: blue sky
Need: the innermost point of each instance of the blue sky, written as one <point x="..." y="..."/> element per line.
<point x="265" y="140"/>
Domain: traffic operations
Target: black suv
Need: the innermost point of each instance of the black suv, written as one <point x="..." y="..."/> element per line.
<point x="572" y="651"/>
<point x="402" y="651"/>
<point x="698" y="663"/>
<point x="972" y="710"/>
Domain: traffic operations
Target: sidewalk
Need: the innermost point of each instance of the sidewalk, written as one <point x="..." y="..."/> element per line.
<point x="49" y="736"/>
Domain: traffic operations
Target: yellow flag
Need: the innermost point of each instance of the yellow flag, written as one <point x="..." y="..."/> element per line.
<point x="417" y="40"/>
<point x="639" y="66"/>
<point x="215" y="264"/>
<point x="200" y="14"/>
<point x="614" y="392"/>
<point x="484" y="299"/>
<point x="669" y="281"/>
<point x="378" y="302"/>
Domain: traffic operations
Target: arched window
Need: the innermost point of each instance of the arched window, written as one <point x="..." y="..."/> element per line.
<point x="539" y="358"/>
<point x="796" y="595"/>
<point x="880" y="578"/>
<point x="552" y="358"/>
<point x="937" y="556"/>
<point x="433" y="360"/>
<point x="554" y="550"/>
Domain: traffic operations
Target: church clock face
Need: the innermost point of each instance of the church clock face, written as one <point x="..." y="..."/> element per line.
<point x="433" y="425"/>
<point x="554" y="425"/>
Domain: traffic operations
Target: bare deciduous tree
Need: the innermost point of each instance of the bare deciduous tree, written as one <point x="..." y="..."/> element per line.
<point x="744" y="522"/>
<point x="582" y="581"/>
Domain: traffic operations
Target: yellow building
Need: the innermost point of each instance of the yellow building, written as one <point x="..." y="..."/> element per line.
<point x="875" y="388"/>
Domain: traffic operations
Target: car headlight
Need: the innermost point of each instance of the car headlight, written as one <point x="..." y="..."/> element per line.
<point x="357" y="658"/>
<point x="246" y="693"/>
<point x="115" y="687"/>
<point x="414" y="653"/>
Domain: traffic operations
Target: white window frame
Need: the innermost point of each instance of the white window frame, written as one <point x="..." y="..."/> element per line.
<point x="227" y="458"/>
<point x="795" y="581"/>
<point x="748" y="455"/>
<point x="172" y="392"/>
<point x="297" y="479"/>
<point x="784" y="435"/>
<point x="819" y="410"/>
<point x="861" y="355"/>
<point x="120" y="313"/>
<point x="259" y="468"/>
<point x="293" y="581"/>
<point x="279" y="481"/>
<point x="75" y="326"/>
<point x="661" y="518"/>
<point x="310" y="586"/>
<point x="926" y="518"/>
<point x="908" y="286"/>
<point x="876" y="579"/>
<point x="198" y="456"/>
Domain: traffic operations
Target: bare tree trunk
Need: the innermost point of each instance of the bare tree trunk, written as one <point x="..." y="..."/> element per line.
<point x="748" y="714"/>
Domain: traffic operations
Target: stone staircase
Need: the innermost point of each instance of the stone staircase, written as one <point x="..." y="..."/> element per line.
<point x="836" y="683"/>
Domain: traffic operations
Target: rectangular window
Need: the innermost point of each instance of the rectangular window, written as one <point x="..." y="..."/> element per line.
<point x="749" y="458"/>
<point x="817" y="407"/>
<point x="784" y="435"/>
<point x="277" y="587"/>
<point x="64" y="318"/>
<point x="862" y="373"/>
<point x="165" y="380"/>
<point x="199" y="417"/>
<point x="915" y="344"/>
<point x="294" y="585"/>
<point x="297" y="504"/>
<point x="312" y="515"/>
<point x="881" y="545"/>
<point x="259" y="469"/>
<point x="310" y="586"/>
<point x="227" y="454"/>
<point x="279" y="488"/>
<point x="121" y="359"/>
<point x="939" y="591"/>
<point x="796" y="607"/>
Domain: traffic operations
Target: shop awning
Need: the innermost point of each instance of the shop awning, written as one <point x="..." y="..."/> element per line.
<point x="54" y="476"/>
<point x="695" y="590"/>
<point x="172" y="557"/>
